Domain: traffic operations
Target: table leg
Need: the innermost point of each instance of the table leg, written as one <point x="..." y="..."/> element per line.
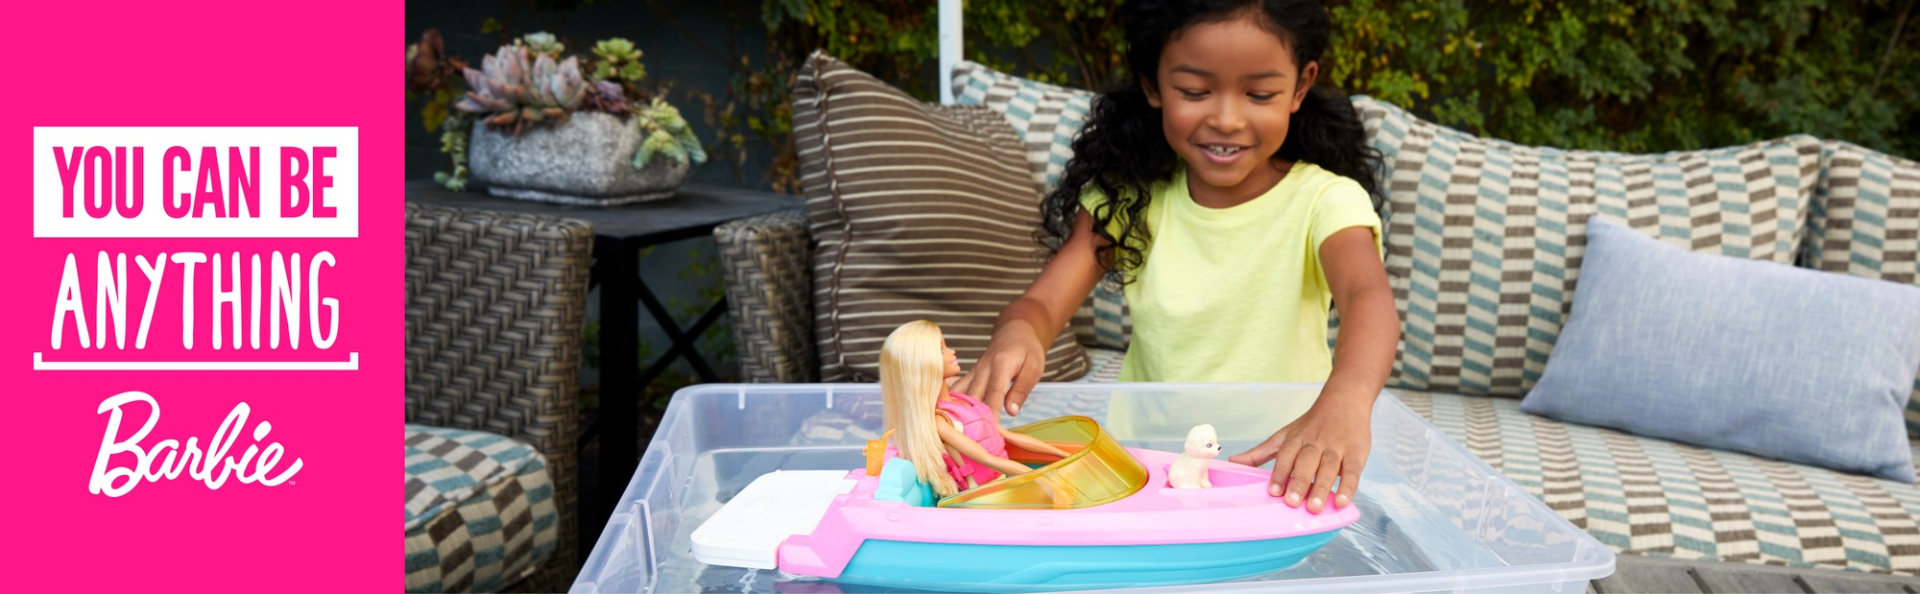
<point x="619" y="388"/>
<point x="684" y="343"/>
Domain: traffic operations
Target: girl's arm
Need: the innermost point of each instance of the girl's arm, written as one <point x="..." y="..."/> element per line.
<point x="953" y="438"/>
<point x="1017" y="353"/>
<point x="1032" y="444"/>
<point x="1332" y="439"/>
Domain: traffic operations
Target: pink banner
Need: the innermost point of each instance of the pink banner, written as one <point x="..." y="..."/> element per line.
<point x="220" y="412"/>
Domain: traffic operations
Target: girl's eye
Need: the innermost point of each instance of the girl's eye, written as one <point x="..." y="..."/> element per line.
<point x="1263" y="97"/>
<point x="1193" y="94"/>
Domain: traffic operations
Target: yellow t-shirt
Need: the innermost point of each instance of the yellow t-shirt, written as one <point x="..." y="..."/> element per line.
<point x="1237" y="294"/>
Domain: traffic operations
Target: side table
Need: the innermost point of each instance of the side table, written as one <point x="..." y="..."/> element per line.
<point x="619" y="235"/>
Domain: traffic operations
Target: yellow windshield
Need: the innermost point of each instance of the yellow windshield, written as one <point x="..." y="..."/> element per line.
<point x="1098" y="472"/>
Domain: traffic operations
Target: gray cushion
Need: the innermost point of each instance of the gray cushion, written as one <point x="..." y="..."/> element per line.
<point x="1723" y="352"/>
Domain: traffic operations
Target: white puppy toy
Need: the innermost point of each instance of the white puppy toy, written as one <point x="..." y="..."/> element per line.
<point x="1189" y="471"/>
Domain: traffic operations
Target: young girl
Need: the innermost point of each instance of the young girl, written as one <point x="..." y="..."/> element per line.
<point x="954" y="441"/>
<point x="1234" y="200"/>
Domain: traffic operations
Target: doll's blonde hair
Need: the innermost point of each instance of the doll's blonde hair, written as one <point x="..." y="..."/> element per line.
<point x="911" y="383"/>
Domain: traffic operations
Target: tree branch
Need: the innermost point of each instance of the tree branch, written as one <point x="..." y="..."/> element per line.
<point x="1892" y="42"/>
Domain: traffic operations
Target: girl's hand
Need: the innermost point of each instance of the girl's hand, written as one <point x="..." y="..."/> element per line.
<point x="1004" y="374"/>
<point x="1330" y="441"/>
<point x="1008" y="370"/>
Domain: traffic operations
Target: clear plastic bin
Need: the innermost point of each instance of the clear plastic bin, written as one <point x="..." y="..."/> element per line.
<point x="1434" y="517"/>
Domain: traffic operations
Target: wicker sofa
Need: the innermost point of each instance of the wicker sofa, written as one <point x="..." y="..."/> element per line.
<point x="496" y="307"/>
<point x="1638" y="495"/>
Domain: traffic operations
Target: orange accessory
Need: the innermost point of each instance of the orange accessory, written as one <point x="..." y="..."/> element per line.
<point x="877" y="453"/>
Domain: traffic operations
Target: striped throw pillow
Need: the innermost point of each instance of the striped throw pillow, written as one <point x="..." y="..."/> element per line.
<point x="917" y="212"/>
<point x="1866" y="222"/>
<point x="1047" y="117"/>
<point x="1484" y="237"/>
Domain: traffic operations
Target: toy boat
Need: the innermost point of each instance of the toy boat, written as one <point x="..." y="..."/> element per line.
<point x="1100" y="518"/>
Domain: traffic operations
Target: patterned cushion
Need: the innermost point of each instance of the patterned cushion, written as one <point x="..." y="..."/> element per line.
<point x="1484" y="237"/>
<point x="1648" y="496"/>
<point x="917" y="212"/>
<point x="480" y="510"/>
<point x="1865" y="221"/>
<point x="1047" y="117"/>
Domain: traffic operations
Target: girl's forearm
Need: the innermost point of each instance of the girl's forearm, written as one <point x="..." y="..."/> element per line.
<point x="1363" y="355"/>
<point x="1027" y="315"/>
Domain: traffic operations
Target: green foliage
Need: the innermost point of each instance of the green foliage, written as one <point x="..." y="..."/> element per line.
<point x="1641" y="76"/>
<point x="545" y="43"/>
<point x="667" y="135"/>
<point x="618" y="61"/>
<point x="1625" y="75"/>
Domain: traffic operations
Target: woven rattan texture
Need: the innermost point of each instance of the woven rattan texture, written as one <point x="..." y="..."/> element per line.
<point x="496" y="308"/>
<point x="769" y="295"/>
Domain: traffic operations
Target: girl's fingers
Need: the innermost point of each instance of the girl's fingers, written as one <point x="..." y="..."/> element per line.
<point x="1323" y="481"/>
<point x="1299" y="474"/>
<point x="982" y="385"/>
<point x="1023" y="383"/>
<point x="1349" y="482"/>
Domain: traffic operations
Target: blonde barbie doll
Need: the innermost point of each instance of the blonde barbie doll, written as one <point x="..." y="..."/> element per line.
<point x="954" y="441"/>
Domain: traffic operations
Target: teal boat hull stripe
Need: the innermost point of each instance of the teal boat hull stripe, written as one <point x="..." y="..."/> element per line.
<point x="1027" y="568"/>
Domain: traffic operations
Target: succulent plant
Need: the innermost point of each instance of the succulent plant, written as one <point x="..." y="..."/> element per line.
<point x="667" y="135"/>
<point x="526" y="84"/>
<point x="453" y="142"/>
<point x="510" y="91"/>
<point x="619" y="60"/>
<point x="544" y="43"/>
<point x="607" y="96"/>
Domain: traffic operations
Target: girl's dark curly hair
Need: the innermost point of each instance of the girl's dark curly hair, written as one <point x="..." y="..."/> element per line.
<point x="1122" y="151"/>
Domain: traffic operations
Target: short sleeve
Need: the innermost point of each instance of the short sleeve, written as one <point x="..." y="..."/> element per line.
<point x="1091" y="198"/>
<point x="1344" y="204"/>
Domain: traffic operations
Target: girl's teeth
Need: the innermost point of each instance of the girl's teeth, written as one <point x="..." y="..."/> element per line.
<point x="1222" y="150"/>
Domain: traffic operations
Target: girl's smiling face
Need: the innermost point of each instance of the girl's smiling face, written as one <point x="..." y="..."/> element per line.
<point x="1226" y="92"/>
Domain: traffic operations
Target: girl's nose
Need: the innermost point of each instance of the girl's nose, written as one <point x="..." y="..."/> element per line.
<point x="1227" y="118"/>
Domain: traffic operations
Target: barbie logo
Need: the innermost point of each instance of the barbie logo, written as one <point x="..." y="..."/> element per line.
<point x="167" y="458"/>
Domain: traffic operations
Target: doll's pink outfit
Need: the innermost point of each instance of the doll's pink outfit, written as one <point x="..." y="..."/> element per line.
<point x="978" y="423"/>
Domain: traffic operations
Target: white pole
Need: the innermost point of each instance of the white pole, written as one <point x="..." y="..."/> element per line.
<point x="949" y="47"/>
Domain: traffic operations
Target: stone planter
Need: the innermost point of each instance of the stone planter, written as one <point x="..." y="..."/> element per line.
<point x="586" y="160"/>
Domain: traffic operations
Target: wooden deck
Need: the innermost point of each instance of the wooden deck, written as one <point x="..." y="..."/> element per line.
<point x="1635" y="573"/>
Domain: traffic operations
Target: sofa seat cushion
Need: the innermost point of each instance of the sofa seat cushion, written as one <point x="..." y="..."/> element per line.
<point x="1106" y="365"/>
<point x="480" y="510"/>
<point x="1645" y="495"/>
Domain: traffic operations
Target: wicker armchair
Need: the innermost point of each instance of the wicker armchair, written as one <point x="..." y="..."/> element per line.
<point x="770" y="296"/>
<point x="496" y="308"/>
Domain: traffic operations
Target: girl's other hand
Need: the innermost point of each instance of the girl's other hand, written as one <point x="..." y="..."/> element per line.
<point x="1008" y="370"/>
<point x="1330" y="442"/>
